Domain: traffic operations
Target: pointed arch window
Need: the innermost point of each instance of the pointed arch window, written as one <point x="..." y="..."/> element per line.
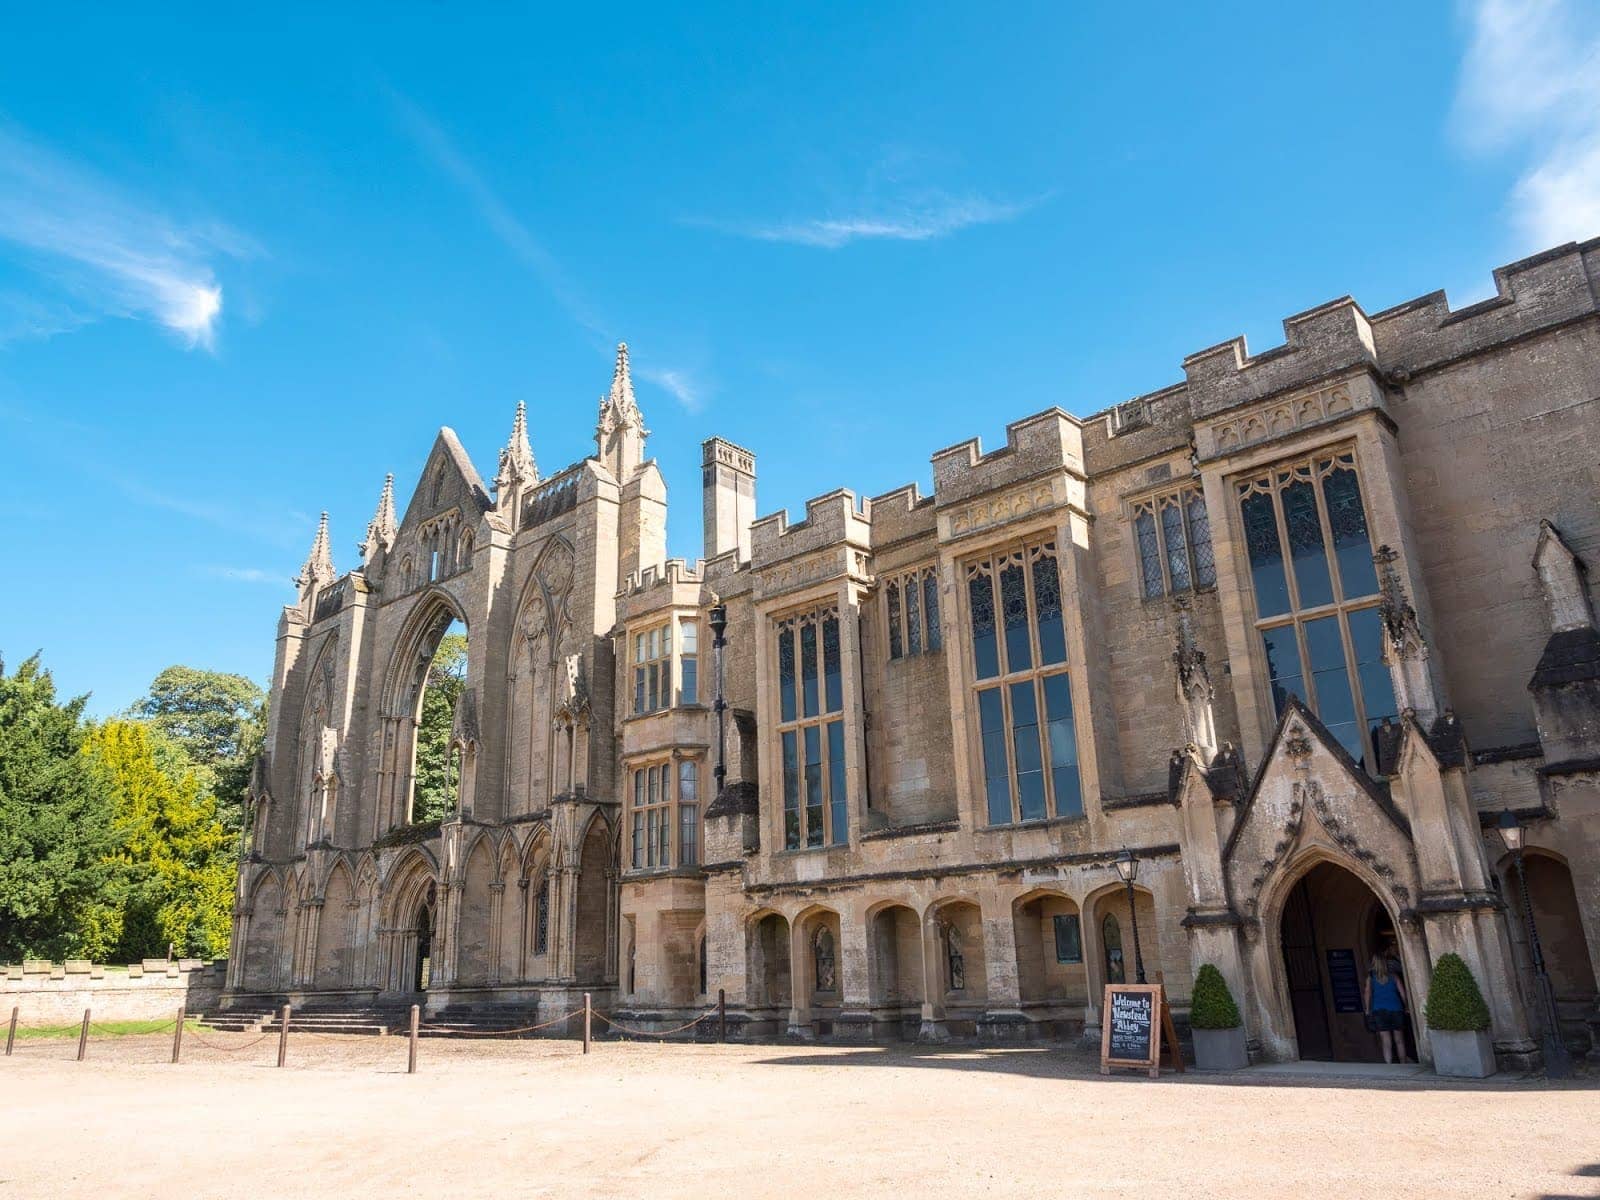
<point x="1173" y="537"/>
<point x="911" y="602"/>
<point x="811" y="730"/>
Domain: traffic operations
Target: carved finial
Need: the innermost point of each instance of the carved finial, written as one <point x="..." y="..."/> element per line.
<point x="1399" y="618"/>
<point x="381" y="529"/>
<point x="318" y="570"/>
<point x="620" y="431"/>
<point x="517" y="466"/>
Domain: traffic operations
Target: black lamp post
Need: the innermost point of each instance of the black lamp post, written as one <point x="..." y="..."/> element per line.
<point x="719" y="627"/>
<point x="1128" y="870"/>
<point x="1557" y="1063"/>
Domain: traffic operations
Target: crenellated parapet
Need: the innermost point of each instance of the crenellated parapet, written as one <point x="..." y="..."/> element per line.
<point x="831" y="518"/>
<point x="902" y="515"/>
<point x="1048" y="441"/>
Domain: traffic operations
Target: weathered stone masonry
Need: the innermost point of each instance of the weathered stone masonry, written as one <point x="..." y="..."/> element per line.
<point x="1293" y="631"/>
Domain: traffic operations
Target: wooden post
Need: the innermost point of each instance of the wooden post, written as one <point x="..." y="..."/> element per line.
<point x="283" y="1035"/>
<point x="586" y="1022"/>
<point x="11" y="1036"/>
<point x="722" y="1014"/>
<point x="177" y="1036"/>
<point x="411" y="1062"/>
<point x="83" y="1036"/>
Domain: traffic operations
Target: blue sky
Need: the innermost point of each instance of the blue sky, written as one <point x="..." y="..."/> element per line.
<point x="247" y="269"/>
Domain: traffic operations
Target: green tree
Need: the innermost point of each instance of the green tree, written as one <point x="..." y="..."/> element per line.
<point x="218" y="720"/>
<point x="174" y="870"/>
<point x="56" y="835"/>
<point x="435" y="795"/>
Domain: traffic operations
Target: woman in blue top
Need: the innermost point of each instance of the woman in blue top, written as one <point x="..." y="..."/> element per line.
<point x="1385" y="1000"/>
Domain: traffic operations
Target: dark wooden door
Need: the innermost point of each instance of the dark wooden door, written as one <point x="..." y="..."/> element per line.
<point x="1304" y="968"/>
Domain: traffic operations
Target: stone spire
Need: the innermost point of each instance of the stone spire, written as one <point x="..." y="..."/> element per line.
<point x="318" y="571"/>
<point x="1405" y="651"/>
<point x="381" y="529"/>
<point x="620" y="432"/>
<point x="517" y="468"/>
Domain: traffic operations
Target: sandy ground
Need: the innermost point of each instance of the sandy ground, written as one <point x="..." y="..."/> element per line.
<point x="535" y="1119"/>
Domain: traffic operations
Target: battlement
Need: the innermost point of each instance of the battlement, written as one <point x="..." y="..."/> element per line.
<point x="1046" y="441"/>
<point x="673" y="571"/>
<point x="900" y="514"/>
<point x="719" y="450"/>
<point x="834" y="517"/>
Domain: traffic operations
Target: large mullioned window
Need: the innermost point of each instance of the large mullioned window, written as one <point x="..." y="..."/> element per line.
<point x="811" y="730"/>
<point x="1316" y="595"/>
<point x="1022" y="693"/>
<point x="1174" y="536"/>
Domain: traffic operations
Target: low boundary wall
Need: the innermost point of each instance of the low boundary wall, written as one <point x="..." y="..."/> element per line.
<point x="56" y="993"/>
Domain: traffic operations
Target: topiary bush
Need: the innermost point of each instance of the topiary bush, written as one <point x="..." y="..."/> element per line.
<point x="1212" y="1005"/>
<point x="1455" y="1004"/>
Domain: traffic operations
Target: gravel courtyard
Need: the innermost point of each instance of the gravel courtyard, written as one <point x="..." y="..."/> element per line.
<point x="536" y="1118"/>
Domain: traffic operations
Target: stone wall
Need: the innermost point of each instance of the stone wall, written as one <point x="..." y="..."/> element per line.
<point x="48" y="993"/>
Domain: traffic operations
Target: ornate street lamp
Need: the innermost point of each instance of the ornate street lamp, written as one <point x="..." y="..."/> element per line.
<point x="1128" y="870"/>
<point x="1557" y="1063"/>
<point x="719" y="627"/>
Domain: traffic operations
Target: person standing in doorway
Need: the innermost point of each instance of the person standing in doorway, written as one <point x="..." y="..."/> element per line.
<point x="1385" y="999"/>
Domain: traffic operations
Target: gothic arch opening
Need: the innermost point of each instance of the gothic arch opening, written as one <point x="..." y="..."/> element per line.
<point x="894" y="970"/>
<point x="1567" y="960"/>
<point x="594" y="901"/>
<point x="1052" y="979"/>
<point x="425" y="759"/>
<point x="768" y="976"/>
<point x="1330" y="926"/>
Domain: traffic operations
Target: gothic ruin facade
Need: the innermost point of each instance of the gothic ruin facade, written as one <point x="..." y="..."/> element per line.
<point x="1293" y="632"/>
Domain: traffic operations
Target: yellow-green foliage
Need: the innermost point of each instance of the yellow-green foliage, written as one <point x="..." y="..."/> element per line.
<point x="174" y="870"/>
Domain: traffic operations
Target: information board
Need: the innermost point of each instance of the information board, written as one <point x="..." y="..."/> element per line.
<point x="1132" y="1024"/>
<point x="1345" y="981"/>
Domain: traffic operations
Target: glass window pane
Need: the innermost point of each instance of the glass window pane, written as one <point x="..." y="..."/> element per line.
<point x="996" y="770"/>
<point x="638" y="648"/>
<point x="653" y="688"/>
<point x="1177" y="550"/>
<point x="832" y="681"/>
<point x="1377" y="685"/>
<point x="1266" y="555"/>
<point x="930" y="610"/>
<point x="638" y="838"/>
<point x="1063" y="741"/>
<point x="690" y="693"/>
<point x="786" y="679"/>
<point x="808" y="667"/>
<point x="1144" y="530"/>
<point x="1304" y="529"/>
<point x="913" y="619"/>
<point x="1336" y="705"/>
<point x="1205" y="562"/>
<point x="1047" y="605"/>
<point x="838" y="814"/>
<point x="814" y="829"/>
<point x="1283" y="665"/>
<point x="688" y="835"/>
<point x="791" y="791"/>
<point x="1025" y="745"/>
<point x="1014" y="616"/>
<point x="688" y="781"/>
<point x="985" y="650"/>
<point x="891" y="597"/>
<point x="638" y="690"/>
<point x="1347" y="519"/>
<point x="664" y="839"/>
<point x="653" y="781"/>
<point x="689" y="642"/>
<point x="1069" y="938"/>
<point x="652" y="826"/>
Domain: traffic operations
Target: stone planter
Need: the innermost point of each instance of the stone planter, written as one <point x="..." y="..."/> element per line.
<point x="1220" y="1049"/>
<point x="1463" y="1055"/>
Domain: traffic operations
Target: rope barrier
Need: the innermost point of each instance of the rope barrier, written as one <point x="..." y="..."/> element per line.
<point x="489" y="1033"/>
<point x="210" y="1045"/>
<point x="655" y="1033"/>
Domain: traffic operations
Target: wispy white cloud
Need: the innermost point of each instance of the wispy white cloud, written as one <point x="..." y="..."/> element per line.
<point x="680" y="384"/>
<point x="112" y="254"/>
<point x="917" y="219"/>
<point x="247" y="575"/>
<point x="496" y="213"/>
<point x="1530" y="83"/>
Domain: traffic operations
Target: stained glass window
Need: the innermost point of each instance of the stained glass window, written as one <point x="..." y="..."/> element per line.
<point x="811" y="737"/>
<point x="892" y="597"/>
<point x="930" y="608"/>
<point x="1144" y="526"/>
<point x="985" y="648"/>
<point x="1172" y="534"/>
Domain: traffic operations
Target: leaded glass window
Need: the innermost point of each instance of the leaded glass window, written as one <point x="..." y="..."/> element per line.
<point x="811" y="730"/>
<point x="1316" y="612"/>
<point x="541" y="918"/>
<point x="1027" y="743"/>
<point x="912" y="601"/>
<point x="652" y="670"/>
<point x="665" y="805"/>
<point x="1172" y="535"/>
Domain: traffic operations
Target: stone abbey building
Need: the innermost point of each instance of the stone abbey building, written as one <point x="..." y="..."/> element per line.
<point x="1294" y="632"/>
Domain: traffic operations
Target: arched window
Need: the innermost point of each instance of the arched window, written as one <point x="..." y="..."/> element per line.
<point x="1111" y="939"/>
<point x="541" y="918"/>
<point x="702" y="965"/>
<point x="955" y="960"/>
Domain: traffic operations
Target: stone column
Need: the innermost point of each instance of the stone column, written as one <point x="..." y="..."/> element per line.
<point x="933" y="1029"/>
<point x="1003" y="1019"/>
<point x="855" y="952"/>
<point x="800" y="982"/>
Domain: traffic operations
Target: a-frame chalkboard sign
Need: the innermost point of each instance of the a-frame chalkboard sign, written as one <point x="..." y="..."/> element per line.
<point x="1132" y="1023"/>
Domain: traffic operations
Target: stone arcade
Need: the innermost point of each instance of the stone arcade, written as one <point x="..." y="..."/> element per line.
<point x="1294" y="631"/>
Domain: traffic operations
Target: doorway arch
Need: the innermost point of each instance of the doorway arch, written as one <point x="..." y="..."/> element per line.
<point x="1329" y="923"/>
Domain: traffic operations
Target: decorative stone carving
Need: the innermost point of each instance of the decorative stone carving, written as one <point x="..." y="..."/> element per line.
<point x="1283" y="417"/>
<point x="1040" y="496"/>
